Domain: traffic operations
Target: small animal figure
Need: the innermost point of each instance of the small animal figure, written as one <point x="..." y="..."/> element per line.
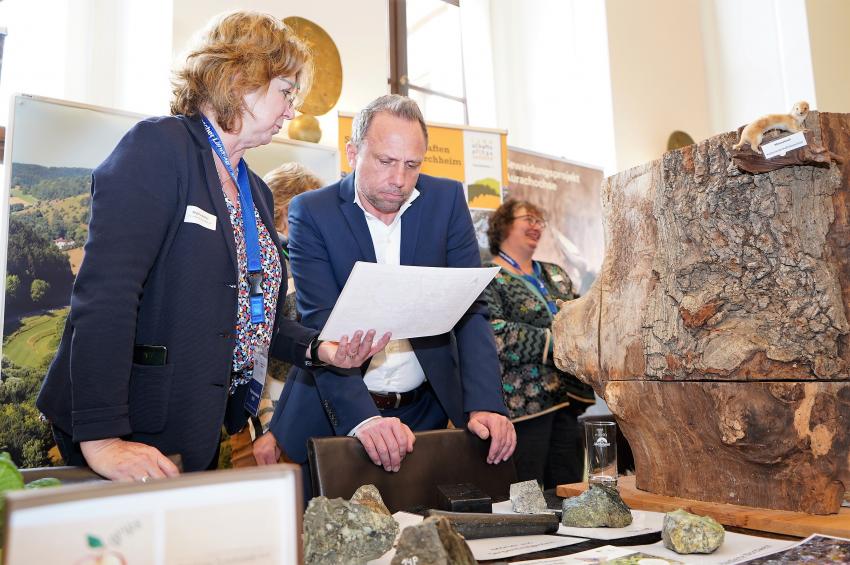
<point x="754" y="131"/>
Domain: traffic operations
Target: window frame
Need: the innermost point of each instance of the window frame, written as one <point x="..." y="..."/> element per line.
<point x="398" y="79"/>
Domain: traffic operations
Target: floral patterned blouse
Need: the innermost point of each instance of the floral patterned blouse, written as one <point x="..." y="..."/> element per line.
<point x="531" y="384"/>
<point x="251" y="336"/>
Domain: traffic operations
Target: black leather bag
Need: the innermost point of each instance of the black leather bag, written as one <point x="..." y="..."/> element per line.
<point x="339" y="465"/>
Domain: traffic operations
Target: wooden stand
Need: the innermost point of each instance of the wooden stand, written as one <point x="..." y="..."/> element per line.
<point x="775" y="521"/>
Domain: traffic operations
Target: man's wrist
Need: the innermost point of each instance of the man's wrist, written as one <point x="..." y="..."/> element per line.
<point x="312" y="359"/>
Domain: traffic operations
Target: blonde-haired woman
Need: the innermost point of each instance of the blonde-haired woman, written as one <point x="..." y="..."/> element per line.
<point x="175" y="309"/>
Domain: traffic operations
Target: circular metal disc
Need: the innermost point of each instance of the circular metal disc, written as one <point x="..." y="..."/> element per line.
<point x="327" y="68"/>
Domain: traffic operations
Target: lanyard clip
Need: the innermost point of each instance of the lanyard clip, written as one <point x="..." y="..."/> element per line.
<point x="255" y="283"/>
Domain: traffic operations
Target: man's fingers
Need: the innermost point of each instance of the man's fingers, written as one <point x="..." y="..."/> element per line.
<point x="411" y="439"/>
<point x="369" y="445"/>
<point x="382" y="448"/>
<point x="382" y="343"/>
<point x="478" y="429"/>
<point x="168" y="468"/>
<point x="401" y="440"/>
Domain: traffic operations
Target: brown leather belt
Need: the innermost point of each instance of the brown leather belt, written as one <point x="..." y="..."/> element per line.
<point x="391" y="400"/>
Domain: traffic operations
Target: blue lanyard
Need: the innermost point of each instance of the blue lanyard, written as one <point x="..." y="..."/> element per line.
<point x="533" y="279"/>
<point x="249" y="225"/>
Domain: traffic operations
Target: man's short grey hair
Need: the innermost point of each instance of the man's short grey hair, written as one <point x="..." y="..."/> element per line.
<point x="393" y="104"/>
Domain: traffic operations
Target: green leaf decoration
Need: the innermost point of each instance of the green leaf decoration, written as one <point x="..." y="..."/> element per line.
<point x="94" y="541"/>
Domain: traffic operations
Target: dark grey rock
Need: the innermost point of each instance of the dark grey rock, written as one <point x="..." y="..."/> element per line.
<point x="368" y="495"/>
<point x="685" y="533"/>
<point x="597" y="507"/>
<point x="527" y="498"/>
<point x="338" y="532"/>
<point x="432" y="542"/>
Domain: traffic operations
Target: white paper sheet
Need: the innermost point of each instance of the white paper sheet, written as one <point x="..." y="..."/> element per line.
<point x="492" y="548"/>
<point x="643" y="522"/>
<point x="407" y="301"/>
<point x="589" y="557"/>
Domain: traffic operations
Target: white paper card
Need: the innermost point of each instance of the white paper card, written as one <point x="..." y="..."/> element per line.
<point x="783" y="145"/>
<point x="195" y="215"/>
<point x="407" y="301"/>
<point x="591" y="556"/>
<point x="643" y="522"/>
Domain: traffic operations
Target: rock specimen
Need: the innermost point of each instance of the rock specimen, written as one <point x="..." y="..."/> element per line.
<point x="684" y="532"/>
<point x="597" y="507"/>
<point x="717" y="330"/>
<point x="527" y="498"/>
<point x="368" y="495"/>
<point x="480" y="525"/>
<point x="432" y="542"/>
<point x="340" y="532"/>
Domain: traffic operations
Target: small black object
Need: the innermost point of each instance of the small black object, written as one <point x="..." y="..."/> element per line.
<point x="150" y="354"/>
<point x="314" y="355"/>
<point x="464" y="497"/>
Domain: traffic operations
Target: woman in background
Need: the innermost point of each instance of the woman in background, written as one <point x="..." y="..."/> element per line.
<point x="544" y="402"/>
<point x="286" y="182"/>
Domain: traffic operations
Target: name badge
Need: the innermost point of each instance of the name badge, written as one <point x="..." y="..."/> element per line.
<point x="257" y="382"/>
<point x="195" y="215"/>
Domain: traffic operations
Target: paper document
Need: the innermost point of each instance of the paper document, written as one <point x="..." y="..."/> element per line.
<point x="407" y="301"/>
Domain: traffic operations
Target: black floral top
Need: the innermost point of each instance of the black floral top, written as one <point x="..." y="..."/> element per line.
<point x="531" y="384"/>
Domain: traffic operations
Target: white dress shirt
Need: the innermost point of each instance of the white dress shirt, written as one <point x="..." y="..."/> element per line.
<point x="396" y="368"/>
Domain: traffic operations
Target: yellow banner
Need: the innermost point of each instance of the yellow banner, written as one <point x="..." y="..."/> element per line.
<point x="475" y="157"/>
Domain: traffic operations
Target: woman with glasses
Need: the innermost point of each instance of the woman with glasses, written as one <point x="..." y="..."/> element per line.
<point x="178" y="303"/>
<point x="544" y="402"/>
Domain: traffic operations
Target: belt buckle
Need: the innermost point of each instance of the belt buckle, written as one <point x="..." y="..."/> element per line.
<point x="397" y="400"/>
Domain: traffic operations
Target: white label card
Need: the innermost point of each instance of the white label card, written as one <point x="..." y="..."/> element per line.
<point x="784" y="145"/>
<point x="195" y="215"/>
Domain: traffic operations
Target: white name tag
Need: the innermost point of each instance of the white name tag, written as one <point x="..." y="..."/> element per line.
<point x="784" y="145"/>
<point x="195" y="215"/>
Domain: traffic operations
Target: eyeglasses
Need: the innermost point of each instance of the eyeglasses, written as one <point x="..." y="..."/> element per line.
<point x="291" y="97"/>
<point x="532" y="220"/>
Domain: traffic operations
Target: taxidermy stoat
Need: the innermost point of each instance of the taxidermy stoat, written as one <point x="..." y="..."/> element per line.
<point x="754" y="132"/>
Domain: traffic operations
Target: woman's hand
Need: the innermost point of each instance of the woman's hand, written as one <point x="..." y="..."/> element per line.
<point x="346" y="353"/>
<point x="266" y="450"/>
<point x="127" y="461"/>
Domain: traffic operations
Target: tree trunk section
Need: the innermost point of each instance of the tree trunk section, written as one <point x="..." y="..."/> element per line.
<point x="718" y="329"/>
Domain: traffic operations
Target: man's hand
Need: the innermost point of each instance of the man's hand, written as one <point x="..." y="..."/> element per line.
<point x="346" y="353"/>
<point x="387" y="441"/>
<point x="121" y="460"/>
<point x="499" y="429"/>
<point x="266" y="450"/>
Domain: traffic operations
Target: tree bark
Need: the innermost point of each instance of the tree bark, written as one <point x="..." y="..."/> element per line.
<point x="717" y="330"/>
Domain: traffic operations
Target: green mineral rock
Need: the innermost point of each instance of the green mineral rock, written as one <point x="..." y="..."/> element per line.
<point x="338" y="532"/>
<point x="434" y="541"/>
<point x="599" y="506"/>
<point x="685" y="533"/>
<point x="527" y="498"/>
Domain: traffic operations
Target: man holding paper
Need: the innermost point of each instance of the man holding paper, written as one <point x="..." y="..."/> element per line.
<point x="386" y="212"/>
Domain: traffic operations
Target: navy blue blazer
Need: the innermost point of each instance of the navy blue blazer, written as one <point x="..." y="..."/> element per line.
<point x="327" y="235"/>
<point x="149" y="277"/>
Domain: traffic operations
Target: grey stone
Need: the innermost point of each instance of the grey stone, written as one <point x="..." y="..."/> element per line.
<point x="599" y="506"/>
<point x="685" y="533"/>
<point x="434" y="541"/>
<point x="527" y="498"/>
<point x="340" y="532"/>
<point x="368" y="495"/>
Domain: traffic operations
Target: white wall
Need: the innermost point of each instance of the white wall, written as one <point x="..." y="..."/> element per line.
<point x="658" y="76"/>
<point x="553" y="94"/>
<point x="829" y="33"/>
<point x="758" y="59"/>
<point x="359" y="29"/>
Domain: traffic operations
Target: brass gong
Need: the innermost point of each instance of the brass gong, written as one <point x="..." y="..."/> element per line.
<point x="679" y="139"/>
<point x="327" y="68"/>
